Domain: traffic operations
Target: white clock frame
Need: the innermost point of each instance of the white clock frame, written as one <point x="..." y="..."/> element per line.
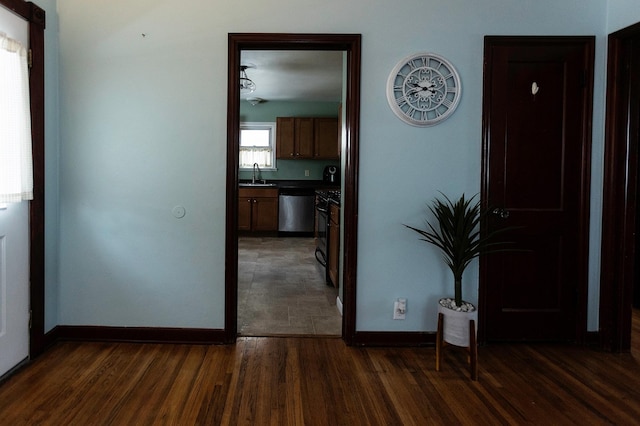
<point x="424" y="89"/>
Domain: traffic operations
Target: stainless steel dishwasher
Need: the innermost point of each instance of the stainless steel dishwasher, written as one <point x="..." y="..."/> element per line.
<point x="296" y="210"/>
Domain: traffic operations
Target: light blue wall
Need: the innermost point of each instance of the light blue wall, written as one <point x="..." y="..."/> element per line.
<point x="622" y="13"/>
<point x="267" y="112"/>
<point x="143" y="128"/>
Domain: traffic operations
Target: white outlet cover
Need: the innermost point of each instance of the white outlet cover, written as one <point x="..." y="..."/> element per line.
<point x="399" y="309"/>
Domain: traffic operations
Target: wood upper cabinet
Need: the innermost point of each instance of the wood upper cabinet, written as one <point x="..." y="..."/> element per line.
<point x="285" y="136"/>
<point x="326" y="138"/>
<point x="258" y="209"/>
<point x="307" y="138"/>
<point x="304" y="138"/>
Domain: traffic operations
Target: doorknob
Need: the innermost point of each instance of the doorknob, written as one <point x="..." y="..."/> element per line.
<point x="503" y="213"/>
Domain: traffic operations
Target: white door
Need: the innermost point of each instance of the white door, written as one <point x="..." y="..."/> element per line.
<point x="14" y="252"/>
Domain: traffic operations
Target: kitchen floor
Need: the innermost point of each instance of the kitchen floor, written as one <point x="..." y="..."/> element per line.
<point x="281" y="289"/>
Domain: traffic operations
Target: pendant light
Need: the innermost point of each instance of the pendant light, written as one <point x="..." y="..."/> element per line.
<point x="246" y="84"/>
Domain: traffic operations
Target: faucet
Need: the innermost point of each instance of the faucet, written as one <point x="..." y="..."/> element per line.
<point x="255" y="168"/>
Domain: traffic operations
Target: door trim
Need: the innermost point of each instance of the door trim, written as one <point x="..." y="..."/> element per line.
<point x="588" y="45"/>
<point x="36" y="18"/>
<point x="351" y="43"/>
<point x="619" y="205"/>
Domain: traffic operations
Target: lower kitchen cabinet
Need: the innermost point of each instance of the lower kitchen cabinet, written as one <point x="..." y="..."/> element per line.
<point x="258" y="209"/>
<point x="333" y="263"/>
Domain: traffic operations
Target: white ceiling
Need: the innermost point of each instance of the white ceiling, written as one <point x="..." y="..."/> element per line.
<point x="294" y="75"/>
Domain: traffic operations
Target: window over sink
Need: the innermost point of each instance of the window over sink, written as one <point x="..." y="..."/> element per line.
<point x="257" y="145"/>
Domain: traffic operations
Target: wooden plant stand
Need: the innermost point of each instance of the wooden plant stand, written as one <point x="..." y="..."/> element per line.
<point x="472" y="349"/>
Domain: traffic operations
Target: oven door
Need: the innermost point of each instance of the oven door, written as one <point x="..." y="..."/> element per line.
<point x="321" y="231"/>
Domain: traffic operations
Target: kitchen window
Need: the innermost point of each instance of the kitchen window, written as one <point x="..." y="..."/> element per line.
<point x="257" y="145"/>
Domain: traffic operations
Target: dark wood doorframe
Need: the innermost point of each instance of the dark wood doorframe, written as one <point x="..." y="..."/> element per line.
<point x="587" y="46"/>
<point x="620" y="205"/>
<point x="36" y="18"/>
<point x="351" y="44"/>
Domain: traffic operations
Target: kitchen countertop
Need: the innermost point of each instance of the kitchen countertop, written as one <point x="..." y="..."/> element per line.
<point x="297" y="184"/>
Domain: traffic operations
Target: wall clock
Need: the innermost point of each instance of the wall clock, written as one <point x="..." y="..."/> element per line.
<point x="423" y="89"/>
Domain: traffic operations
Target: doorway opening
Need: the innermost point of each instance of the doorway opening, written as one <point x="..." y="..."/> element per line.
<point x="350" y="44"/>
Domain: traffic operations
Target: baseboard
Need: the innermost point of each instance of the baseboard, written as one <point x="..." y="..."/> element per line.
<point x="207" y="336"/>
<point x="593" y="338"/>
<point x="393" y="338"/>
<point x="51" y="337"/>
<point x="203" y="336"/>
<point x="216" y="336"/>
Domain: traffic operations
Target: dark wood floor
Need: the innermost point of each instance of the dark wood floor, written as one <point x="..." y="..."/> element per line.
<point x="312" y="381"/>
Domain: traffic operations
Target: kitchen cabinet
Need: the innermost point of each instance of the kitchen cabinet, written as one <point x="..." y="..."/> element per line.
<point x="307" y="138"/>
<point x="258" y="209"/>
<point x="333" y="263"/>
<point x="326" y="146"/>
<point x="294" y="137"/>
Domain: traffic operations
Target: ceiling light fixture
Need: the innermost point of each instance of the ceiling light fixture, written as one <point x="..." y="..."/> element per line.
<point x="255" y="101"/>
<point x="246" y="84"/>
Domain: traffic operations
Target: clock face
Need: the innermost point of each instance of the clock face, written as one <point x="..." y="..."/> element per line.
<point x="423" y="89"/>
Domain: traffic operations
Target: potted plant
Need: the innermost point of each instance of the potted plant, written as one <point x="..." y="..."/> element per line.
<point x="456" y="232"/>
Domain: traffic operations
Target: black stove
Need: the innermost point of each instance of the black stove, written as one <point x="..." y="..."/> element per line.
<point x="323" y="199"/>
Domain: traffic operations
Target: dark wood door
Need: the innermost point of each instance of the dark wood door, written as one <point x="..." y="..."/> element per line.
<point x="619" y="198"/>
<point x="536" y="165"/>
<point x="633" y="132"/>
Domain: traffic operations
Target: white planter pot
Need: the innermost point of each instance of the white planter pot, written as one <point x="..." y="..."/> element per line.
<point x="455" y="330"/>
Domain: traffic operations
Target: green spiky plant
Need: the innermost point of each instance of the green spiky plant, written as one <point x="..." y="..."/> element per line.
<point x="456" y="232"/>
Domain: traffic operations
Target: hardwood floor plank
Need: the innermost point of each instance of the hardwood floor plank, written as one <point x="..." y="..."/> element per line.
<point x="183" y="383"/>
<point x="293" y="392"/>
<point x="244" y="350"/>
<point x="401" y="388"/>
<point x="580" y="388"/>
<point x="311" y="381"/>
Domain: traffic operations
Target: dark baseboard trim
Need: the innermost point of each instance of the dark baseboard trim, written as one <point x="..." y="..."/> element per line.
<point x="213" y="336"/>
<point x="392" y="338"/>
<point x="592" y="338"/>
<point x="51" y="337"/>
<point x="203" y="336"/>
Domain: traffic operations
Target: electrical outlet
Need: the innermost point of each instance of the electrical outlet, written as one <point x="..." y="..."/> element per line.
<point x="306" y="173"/>
<point x="399" y="309"/>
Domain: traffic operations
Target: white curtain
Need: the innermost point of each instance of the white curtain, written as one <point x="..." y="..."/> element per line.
<point x="16" y="162"/>
<point x="251" y="155"/>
